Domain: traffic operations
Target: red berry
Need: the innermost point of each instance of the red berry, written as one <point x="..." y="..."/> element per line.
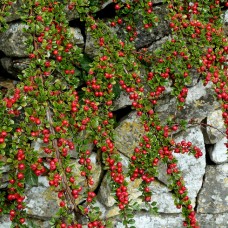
<point x="117" y="7"/>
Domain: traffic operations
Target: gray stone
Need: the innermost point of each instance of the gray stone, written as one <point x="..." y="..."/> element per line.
<point x="162" y="195"/>
<point x="157" y="44"/>
<point x="10" y="44"/>
<point x="96" y="172"/>
<point x="193" y="169"/>
<point x="128" y="134"/>
<point x="4" y="174"/>
<point x="213" y="135"/>
<point x="125" y="162"/>
<point x="213" y="197"/>
<point x="41" y="201"/>
<point x="200" y="102"/>
<point x="71" y="14"/>
<point x="122" y="101"/>
<point x="127" y="137"/>
<point x="106" y="3"/>
<point x="77" y="36"/>
<point x="147" y="220"/>
<point x="225" y="26"/>
<point x="146" y="38"/>
<point x="5" y="221"/>
<point x="104" y="194"/>
<point x="14" y="11"/>
<point x="90" y="50"/>
<point x="30" y="222"/>
<point x="106" y="197"/>
<point x="213" y="221"/>
<point x="38" y="146"/>
<point x="14" y="66"/>
<point x="218" y="153"/>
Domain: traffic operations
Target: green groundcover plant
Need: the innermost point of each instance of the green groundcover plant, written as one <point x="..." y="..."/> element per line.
<point x="62" y="92"/>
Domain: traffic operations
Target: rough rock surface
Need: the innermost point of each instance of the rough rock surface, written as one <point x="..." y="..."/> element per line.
<point x="213" y="135"/>
<point x="162" y="195"/>
<point x="41" y="201"/>
<point x="213" y="197"/>
<point x="13" y="11"/>
<point x="105" y="194"/>
<point x="146" y="38"/>
<point x="30" y="222"/>
<point x="128" y="134"/>
<point x="218" y="153"/>
<point x="14" y="66"/>
<point x="147" y="220"/>
<point x="213" y="221"/>
<point x="193" y="169"/>
<point x="4" y="174"/>
<point x="38" y="146"/>
<point x="226" y="22"/>
<point x="5" y="221"/>
<point x="77" y="36"/>
<point x="158" y="44"/>
<point x="208" y="191"/>
<point x="9" y="42"/>
<point x="200" y="102"/>
<point x="122" y="101"/>
<point x="96" y="172"/>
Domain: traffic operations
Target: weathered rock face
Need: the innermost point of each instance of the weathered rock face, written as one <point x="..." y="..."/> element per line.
<point x="200" y="102"/>
<point x="226" y="22"/>
<point x="163" y="196"/>
<point x="14" y="47"/>
<point x="193" y="169"/>
<point x="213" y="220"/>
<point x="213" y="197"/>
<point x="5" y="176"/>
<point x="215" y="129"/>
<point x="128" y="134"/>
<point x="207" y="184"/>
<point x="96" y="172"/>
<point x="77" y="37"/>
<point x="218" y="153"/>
<point x="159" y="31"/>
<point x="105" y="194"/>
<point x="13" y="11"/>
<point x="14" y="67"/>
<point x="147" y="220"/>
<point x="122" y="101"/>
<point x="9" y="42"/>
<point x="41" y="201"/>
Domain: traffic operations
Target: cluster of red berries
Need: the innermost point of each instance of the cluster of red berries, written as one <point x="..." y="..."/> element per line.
<point x="13" y="99"/>
<point x="3" y="135"/>
<point x="96" y="224"/>
<point x="38" y="167"/>
<point x="183" y="94"/>
<point x="122" y="194"/>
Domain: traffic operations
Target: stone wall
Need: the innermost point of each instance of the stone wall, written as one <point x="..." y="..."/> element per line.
<point x="206" y="178"/>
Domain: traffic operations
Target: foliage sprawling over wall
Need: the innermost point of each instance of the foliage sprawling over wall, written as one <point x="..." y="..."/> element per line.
<point x="63" y="92"/>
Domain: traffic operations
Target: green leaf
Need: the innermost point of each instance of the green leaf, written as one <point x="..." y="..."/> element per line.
<point x="154" y="203"/>
<point x="116" y="90"/>
<point x="30" y="177"/>
<point x="85" y="63"/>
<point x="2" y="145"/>
<point x="95" y="122"/>
<point x="131" y="221"/>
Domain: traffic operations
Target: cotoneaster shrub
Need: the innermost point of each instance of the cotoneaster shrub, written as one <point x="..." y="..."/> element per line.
<point x="47" y="104"/>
